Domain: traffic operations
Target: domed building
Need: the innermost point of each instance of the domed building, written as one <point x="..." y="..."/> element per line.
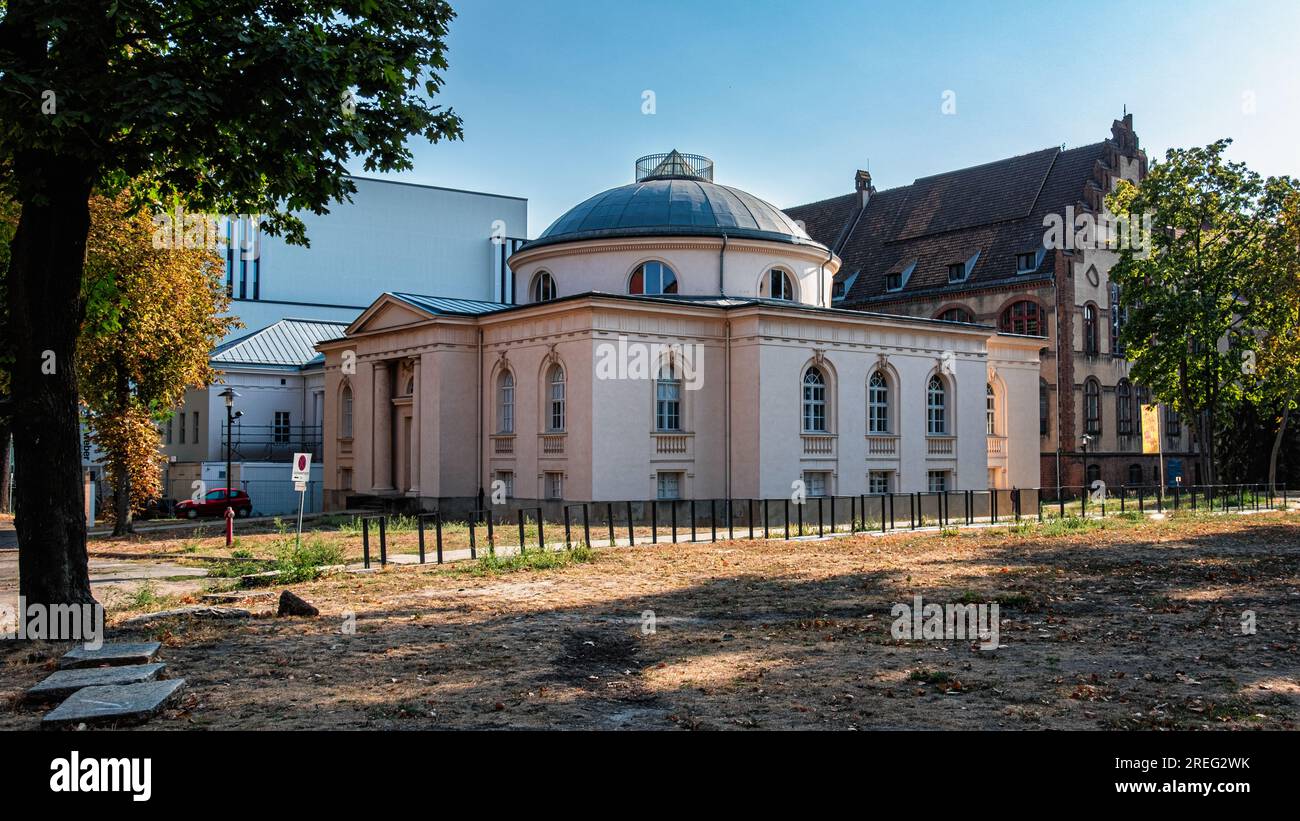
<point x="669" y="339"/>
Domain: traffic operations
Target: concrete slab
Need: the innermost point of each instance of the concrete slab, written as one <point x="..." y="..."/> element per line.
<point x="63" y="683"/>
<point x="112" y="654"/>
<point x="115" y="704"/>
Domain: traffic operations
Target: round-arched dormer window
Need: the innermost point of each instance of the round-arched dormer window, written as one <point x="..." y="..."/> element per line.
<point x="543" y="289"/>
<point x="652" y="278"/>
<point x="777" y="284"/>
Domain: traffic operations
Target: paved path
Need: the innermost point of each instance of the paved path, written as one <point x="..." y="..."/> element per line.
<point x="109" y="577"/>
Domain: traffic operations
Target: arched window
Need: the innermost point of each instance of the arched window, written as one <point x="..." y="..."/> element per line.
<point x="814" y="401"/>
<point x="1044" y="408"/>
<point x="1142" y="396"/>
<point x="1091" y="406"/>
<point x="1123" y="408"/>
<point x="410" y="387"/>
<point x="1090" y="329"/>
<point x="1135" y="474"/>
<point x="543" y="289"/>
<point x="345" y="411"/>
<point x="506" y="402"/>
<point x="555" y="399"/>
<point x="1023" y="317"/>
<point x="878" y="403"/>
<point x="936" y="408"/>
<point x="777" y="285"/>
<point x="990" y="410"/>
<point x="652" y="278"/>
<point x="956" y="315"/>
<point x="668" y="398"/>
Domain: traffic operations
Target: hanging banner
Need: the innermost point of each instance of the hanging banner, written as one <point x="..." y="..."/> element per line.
<point x="1150" y="428"/>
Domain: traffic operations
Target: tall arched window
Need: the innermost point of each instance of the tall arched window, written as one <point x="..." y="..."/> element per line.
<point x="936" y="408"/>
<point x="555" y="399"/>
<point x="345" y="411"/>
<point x="543" y="287"/>
<point x="990" y="410"/>
<point x="1091" y="406"/>
<point x="956" y="315"/>
<point x="1118" y="316"/>
<point x="506" y="402"/>
<point x="1090" y="329"/>
<point x="1123" y="408"/>
<point x="878" y="403"/>
<point x="668" y="398"/>
<point x="814" y="401"/>
<point x="777" y="285"/>
<point x="1044" y="408"/>
<point x="1141" y="396"/>
<point x="652" y="278"/>
<point x="1023" y="317"/>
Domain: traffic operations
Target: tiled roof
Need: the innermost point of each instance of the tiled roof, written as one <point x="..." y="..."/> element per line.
<point x="451" y="307"/>
<point x="994" y="210"/>
<point x="287" y="343"/>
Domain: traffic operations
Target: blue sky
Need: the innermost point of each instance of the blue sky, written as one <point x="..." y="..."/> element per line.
<point x="789" y="99"/>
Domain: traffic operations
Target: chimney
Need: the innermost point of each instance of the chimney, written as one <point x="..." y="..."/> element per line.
<point x="862" y="184"/>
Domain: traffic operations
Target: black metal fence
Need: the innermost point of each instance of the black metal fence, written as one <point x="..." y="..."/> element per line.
<point x="673" y="521"/>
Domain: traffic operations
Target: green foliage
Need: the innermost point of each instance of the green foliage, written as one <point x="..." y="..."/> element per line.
<point x="1197" y="301"/>
<point x="532" y="560"/>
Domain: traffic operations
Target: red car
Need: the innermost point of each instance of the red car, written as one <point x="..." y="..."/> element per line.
<point x="215" y="504"/>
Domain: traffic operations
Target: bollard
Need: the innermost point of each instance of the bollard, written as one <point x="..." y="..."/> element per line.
<point x="631" y="528"/>
<point x="365" y="542"/>
<point x="437" y="534"/>
<point x="567" y="537"/>
<point x="610" y="512"/>
<point x="523" y="530"/>
<point x="586" y="525"/>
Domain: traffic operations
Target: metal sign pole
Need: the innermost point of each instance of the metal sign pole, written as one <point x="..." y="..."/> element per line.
<point x="302" y="497"/>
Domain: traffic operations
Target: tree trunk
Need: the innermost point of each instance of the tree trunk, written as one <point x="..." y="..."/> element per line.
<point x="45" y="314"/>
<point x="1277" y="444"/>
<point x="6" y="475"/>
<point x="122" y="504"/>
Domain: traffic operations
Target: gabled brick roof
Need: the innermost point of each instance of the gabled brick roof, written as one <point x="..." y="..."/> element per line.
<point x="995" y="210"/>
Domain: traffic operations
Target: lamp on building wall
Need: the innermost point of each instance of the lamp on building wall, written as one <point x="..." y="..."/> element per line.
<point x="231" y="415"/>
<point x="1084" y="441"/>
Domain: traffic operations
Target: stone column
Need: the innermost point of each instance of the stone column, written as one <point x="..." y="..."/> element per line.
<point x="414" y="458"/>
<point x="383" y="430"/>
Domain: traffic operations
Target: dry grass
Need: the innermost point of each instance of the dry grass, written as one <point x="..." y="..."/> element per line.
<point x="1132" y="626"/>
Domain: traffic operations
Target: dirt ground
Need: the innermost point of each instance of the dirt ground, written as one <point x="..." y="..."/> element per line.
<point x="1134" y="625"/>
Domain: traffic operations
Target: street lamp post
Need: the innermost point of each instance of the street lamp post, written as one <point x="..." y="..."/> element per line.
<point x="229" y="395"/>
<point x="1084" y="441"/>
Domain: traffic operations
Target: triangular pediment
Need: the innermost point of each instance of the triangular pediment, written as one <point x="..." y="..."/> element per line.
<point x="388" y="312"/>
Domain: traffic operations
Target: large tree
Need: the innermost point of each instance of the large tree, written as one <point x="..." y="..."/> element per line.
<point x="236" y="106"/>
<point x="153" y="314"/>
<point x="1278" y="363"/>
<point x="1194" y="296"/>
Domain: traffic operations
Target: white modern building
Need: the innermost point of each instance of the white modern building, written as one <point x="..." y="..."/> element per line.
<point x="390" y="236"/>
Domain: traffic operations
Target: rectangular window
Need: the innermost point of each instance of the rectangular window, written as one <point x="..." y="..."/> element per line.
<point x="894" y="282"/>
<point x="957" y="272"/>
<point x="180" y="418"/>
<point x="507" y="480"/>
<point x="938" y="481"/>
<point x="669" y="485"/>
<point x="816" y="482"/>
<point x="878" y="481"/>
<point x="345" y="479"/>
<point x="169" y="430"/>
<point x="554" y="485"/>
<point x="280" y="430"/>
<point x="668" y="405"/>
<point x="196" y="427"/>
<point x="1026" y="263"/>
<point x="1173" y="423"/>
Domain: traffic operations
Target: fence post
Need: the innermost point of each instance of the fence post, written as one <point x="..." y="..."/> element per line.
<point x="751" y="518"/>
<point x="586" y="524"/>
<point x="491" y="536"/>
<point x="821" y="530"/>
<point x="911" y="507"/>
<point x="473" y="547"/>
<point x="654" y="522"/>
<point x="731" y="518"/>
<point x="437" y="532"/>
<point x="419" y="526"/>
<point x="882" y="510"/>
<point x="993" y="506"/>
<point x="383" y="541"/>
<point x="787" y="519"/>
<point x="609" y="508"/>
<point x="365" y="541"/>
<point x="692" y="521"/>
<point x="567" y="537"/>
<point x="631" y="528"/>
<point x="672" y="516"/>
<point x="765" y="525"/>
<point x="800" y="508"/>
<point x="541" y="536"/>
<point x="853" y="515"/>
<point x="713" y="520"/>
